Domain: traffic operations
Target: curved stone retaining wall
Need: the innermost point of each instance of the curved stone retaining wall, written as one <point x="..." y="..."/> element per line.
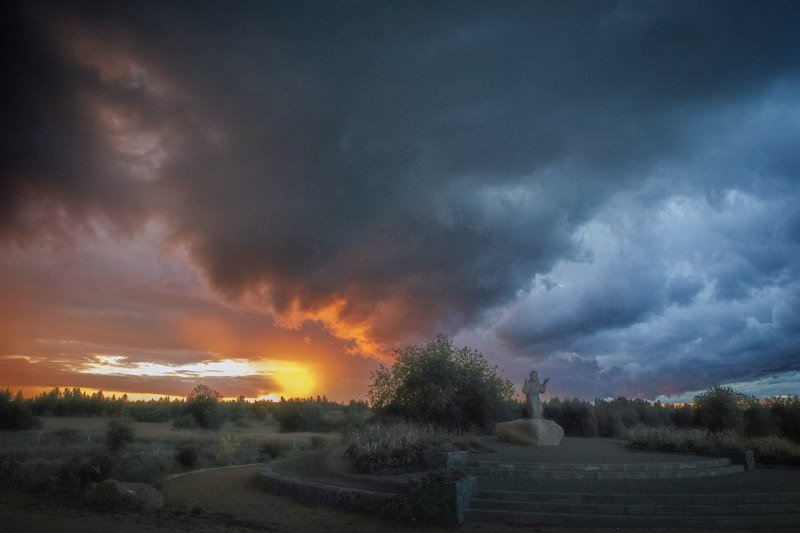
<point x="383" y="504"/>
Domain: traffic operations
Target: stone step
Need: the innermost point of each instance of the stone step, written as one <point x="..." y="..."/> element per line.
<point x="738" y="521"/>
<point x="640" y="499"/>
<point x="511" y="474"/>
<point x="605" y="467"/>
<point x="636" y="509"/>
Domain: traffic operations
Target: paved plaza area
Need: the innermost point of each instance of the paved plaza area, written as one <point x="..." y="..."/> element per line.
<point x="573" y="450"/>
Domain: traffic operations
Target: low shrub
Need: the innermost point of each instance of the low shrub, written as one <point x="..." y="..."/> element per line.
<point x="667" y="439"/>
<point x="776" y="451"/>
<point x="269" y="420"/>
<point x="84" y="468"/>
<point x="380" y="449"/>
<point x="33" y="473"/>
<point x="318" y="442"/>
<point x="767" y="450"/>
<point x="187" y="455"/>
<point x="146" y="466"/>
<point x="227" y="449"/>
<point x="8" y="466"/>
<point x="270" y="449"/>
<point x="118" y="435"/>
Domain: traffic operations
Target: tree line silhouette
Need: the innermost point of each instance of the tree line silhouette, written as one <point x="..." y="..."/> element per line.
<point x="201" y="408"/>
<point x="719" y="408"/>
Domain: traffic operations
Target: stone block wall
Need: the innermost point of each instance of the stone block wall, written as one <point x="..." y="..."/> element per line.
<point x="385" y="505"/>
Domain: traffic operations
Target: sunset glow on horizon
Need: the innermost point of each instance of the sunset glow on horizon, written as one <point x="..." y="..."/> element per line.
<point x="272" y="198"/>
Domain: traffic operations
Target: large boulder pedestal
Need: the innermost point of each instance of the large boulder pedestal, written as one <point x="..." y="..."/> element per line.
<point x="535" y="431"/>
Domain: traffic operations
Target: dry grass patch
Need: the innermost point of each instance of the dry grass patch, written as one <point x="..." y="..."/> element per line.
<point x="767" y="450"/>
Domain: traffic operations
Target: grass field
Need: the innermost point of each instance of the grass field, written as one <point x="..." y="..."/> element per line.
<point x="72" y="452"/>
<point x="93" y="430"/>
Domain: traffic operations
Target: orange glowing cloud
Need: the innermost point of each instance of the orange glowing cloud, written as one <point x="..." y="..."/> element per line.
<point x="332" y="315"/>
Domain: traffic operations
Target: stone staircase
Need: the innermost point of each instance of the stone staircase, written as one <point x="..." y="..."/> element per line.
<point x="509" y="471"/>
<point x="508" y="492"/>
<point x="712" y="511"/>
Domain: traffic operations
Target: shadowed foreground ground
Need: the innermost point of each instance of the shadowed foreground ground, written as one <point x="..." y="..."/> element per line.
<point x="230" y="499"/>
<point x="218" y="500"/>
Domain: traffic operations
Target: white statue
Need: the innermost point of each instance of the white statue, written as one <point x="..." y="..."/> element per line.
<point x="532" y="389"/>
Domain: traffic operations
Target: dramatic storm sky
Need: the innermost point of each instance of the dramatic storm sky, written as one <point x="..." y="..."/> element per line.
<point x="271" y="197"/>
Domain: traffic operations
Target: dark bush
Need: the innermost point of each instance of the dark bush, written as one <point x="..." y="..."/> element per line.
<point x="317" y="414"/>
<point x="8" y="465"/>
<point x="298" y="415"/>
<point x="683" y="416"/>
<point x="187" y="455"/>
<point x="759" y="421"/>
<point x="118" y="435"/>
<point x="84" y="468"/>
<point x="786" y="412"/>
<point x="271" y="449"/>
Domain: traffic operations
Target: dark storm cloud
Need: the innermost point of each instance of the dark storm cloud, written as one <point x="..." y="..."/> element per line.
<point x="447" y="153"/>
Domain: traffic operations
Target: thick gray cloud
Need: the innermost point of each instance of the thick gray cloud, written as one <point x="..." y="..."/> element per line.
<point x="482" y="166"/>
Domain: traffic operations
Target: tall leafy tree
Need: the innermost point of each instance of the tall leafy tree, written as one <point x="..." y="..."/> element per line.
<point x="202" y="403"/>
<point x="439" y="383"/>
<point x="721" y="408"/>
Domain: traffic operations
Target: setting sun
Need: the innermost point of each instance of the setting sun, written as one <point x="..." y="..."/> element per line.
<point x="280" y="378"/>
<point x="296" y="381"/>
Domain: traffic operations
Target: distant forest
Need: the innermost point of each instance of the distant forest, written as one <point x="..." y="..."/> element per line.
<point x="719" y="408"/>
<point x="294" y="414"/>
